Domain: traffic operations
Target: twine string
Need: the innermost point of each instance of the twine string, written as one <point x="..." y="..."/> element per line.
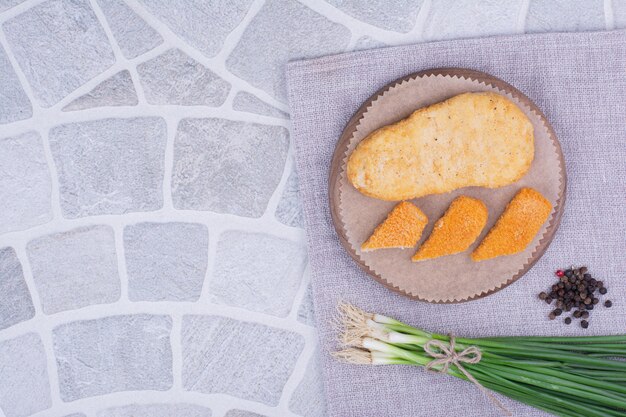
<point x="446" y="355"/>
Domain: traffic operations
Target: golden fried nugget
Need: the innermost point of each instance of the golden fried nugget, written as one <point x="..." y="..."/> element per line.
<point x="456" y="230"/>
<point x="473" y="139"/>
<point x="402" y="228"/>
<point x="516" y="227"/>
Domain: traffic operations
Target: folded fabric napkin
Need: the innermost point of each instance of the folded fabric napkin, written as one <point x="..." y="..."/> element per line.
<point x="579" y="81"/>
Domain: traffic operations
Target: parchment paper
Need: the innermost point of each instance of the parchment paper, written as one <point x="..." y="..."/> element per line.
<point x="451" y="278"/>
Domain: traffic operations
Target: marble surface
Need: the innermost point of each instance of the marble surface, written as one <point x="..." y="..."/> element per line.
<point x="152" y="256"/>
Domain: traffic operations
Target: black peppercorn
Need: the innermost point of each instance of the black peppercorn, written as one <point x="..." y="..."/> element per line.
<point x="577" y="314"/>
<point x="603" y="290"/>
<point x="543" y="295"/>
<point x="608" y="303"/>
<point x="567" y="320"/>
<point x="552" y="316"/>
<point x="585" y="314"/>
<point x="558" y="312"/>
<point x="583" y="269"/>
<point x="589" y="306"/>
<point x="595" y="300"/>
<point x="584" y="324"/>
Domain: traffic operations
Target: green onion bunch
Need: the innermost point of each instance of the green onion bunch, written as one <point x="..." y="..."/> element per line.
<point x="565" y="376"/>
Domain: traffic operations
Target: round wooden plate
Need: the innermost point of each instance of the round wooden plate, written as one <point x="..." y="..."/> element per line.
<point x="342" y="146"/>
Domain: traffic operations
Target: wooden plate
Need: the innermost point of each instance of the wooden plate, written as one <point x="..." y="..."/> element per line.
<point x="336" y="170"/>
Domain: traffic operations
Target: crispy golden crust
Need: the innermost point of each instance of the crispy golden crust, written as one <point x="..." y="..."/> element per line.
<point x="516" y="227"/>
<point x="456" y="230"/>
<point x="401" y="229"/>
<point x="473" y="139"/>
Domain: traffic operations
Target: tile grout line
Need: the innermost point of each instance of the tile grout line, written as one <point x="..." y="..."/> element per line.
<point x="269" y="213"/>
<point x="122" y="398"/>
<point x="609" y="16"/>
<point x="55" y="194"/>
<point x="120" y="253"/>
<point x="117" y="52"/>
<point x="212" y="220"/>
<point x="213" y="64"/>
<point x="168" y="161"/>
<point x="30" y="94"/>
<point x="299" y="372"/>
<point x="298" y="299"/>
<point x="18" y="9"/>
<point x="125" y="307"/>
<point x="45" y="333"/>
<point x="522" y="16"/>
<point x="177" y="353"/>
<point x="420" y="21"/>
<point x="214" y="236"/>
<point x="108" y="73"/>
<point x="232" y="39"/>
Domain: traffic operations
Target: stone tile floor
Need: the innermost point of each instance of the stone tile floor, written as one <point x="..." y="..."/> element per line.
<point x="152" y="257"/>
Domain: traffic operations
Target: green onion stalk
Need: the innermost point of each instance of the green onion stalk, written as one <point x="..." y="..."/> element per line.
<point x="564" y="376"/>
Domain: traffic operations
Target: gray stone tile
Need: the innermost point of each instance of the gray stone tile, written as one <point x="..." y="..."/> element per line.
<point x="166" y="261"/>
<point x="396" y="15"/>
<point x="157" y="410"/>
<point x="246" y="360"/>
<point x="119" y="353"/>
<point x="289" y="30"/>
<point x="17" y="304"/>
<point x="242" y="413"/>
<point x="306" y="312"/>
<point x="14" y="104"/>
<point x="7" y="4"/>
<point x="59" y="46"/>
<point x="365" y="42"/>
<point x="175" y="78"/>
<point x="25" y="184"/>
<point x="257" y="272"/>
<point x="565" y="15"/>
<point x="115" y="91"/>
<point x="75" y="269"/>
<point x="250" y="103"/>
<point x="133" y="35"/>
<point x="308" y="399"/>
<point x="289" y="209"/>
<point x="202" y="24"/>
<point x="465" y="18"/>
<point x="110" y="166"/>
<point x="227" y="166"/>
<point x="24" y="375"/>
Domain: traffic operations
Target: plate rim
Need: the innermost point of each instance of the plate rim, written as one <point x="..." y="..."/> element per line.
<point x="351" y="126"/>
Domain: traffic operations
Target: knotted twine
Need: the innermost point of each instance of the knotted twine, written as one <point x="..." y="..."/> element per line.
<point x="446" y="354"/>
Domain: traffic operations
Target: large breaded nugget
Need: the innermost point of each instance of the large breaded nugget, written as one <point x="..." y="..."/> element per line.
<point x="516" y="227"/>
<point x="473" y="139"/>
<point x="402" y="228"/>
<point x="456" y="230"/>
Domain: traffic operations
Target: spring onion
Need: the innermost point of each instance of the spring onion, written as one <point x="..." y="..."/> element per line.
<point x="565" y="376"/>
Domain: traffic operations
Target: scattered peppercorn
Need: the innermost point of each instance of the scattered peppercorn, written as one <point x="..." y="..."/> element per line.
<point x="575" y="290"/>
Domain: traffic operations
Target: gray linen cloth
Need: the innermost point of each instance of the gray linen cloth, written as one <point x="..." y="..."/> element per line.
<point x="579" y="81"/>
